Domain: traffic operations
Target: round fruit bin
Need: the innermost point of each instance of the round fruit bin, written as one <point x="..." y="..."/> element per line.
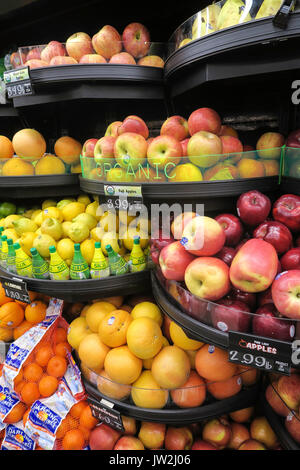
<point x="290" y="178"/>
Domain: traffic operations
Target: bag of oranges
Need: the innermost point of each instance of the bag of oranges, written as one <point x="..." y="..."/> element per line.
<point x="15" y="438"/>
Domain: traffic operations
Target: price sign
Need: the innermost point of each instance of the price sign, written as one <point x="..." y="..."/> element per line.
<point x="18" y="82"/>
<point x="260" y="352"/>
<point x="123" y="197"/>
<point x="105" y="412"/>
<point x="15" y="289"/>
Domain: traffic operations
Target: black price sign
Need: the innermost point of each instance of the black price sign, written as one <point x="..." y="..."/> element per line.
<point x="18" y="82"/>
<point x="105" y="412"/>
<point x="121" y="197"/>
<point x="260" y="352"/>
<point x="15" y="289"/>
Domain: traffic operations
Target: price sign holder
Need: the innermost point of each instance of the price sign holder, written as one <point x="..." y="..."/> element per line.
<point x="260" y="352"/>
<point x="121" y="197"/>
<point x="105" y="412"/>
<point x="15" y="289"/>
<point x="18" y="82"/>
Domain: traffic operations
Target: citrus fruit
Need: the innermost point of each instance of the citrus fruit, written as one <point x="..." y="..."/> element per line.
<point x="33" y="372"/>
<point x="66" y="425"/>
<point x="96" y="312"/>
<point x="144" y="337"/>
<point x="70" y="211"/>
<point x="48" y="385"/>
<point x="87" y="250"/>
<point x="42" y="243"/>
<point x="50" y="165"/>
<point x="225" y="388"/>
<point x="122" y="365"/>
<point x="24" y="225"/>
<point x="68" y="149"/>
<point x="78" y="330"/>
<point x="61" y="349"/>
<point x="60" y="335"/>
<point x="190" y="394"/>
<point x="87" y="420"/>
<point x="48" y="203"/>
<point x="17" y="167"/>
<point x="92" y="351"/>
<point x="6" y="334"/>
<point x="77" y="409"/>
<point x="147" y="309"/>
<point x="52" y="212"/>
<point x="43" y="355"/>
<point x="11" y="315"/>
<point x="171" y="367"/>
<point x="73" y="440"/>
<point x="84" y="199"/>
<point x="110" y="388"/>
<point x="29" y="143"/>
<point x="57" y="366"/>
<point x="6" y="147"/>
<point x="181" y="340"/>
<point x="212" y="364"/>
<point x="8" y="221"/>
<point x="36" y="311"/>
<point x="52" y="227"/>
<point x="26" y="241"/>
<point x="89" y="220"/>
<point x="116" y="300"/>
<point x="146" y="392"/>
<point x="113" y="328"/>
<point x="65" y="248"/>
<point x="16" y="414"/>
<point x="30" y="393"/>
<point x="3" y="298"/>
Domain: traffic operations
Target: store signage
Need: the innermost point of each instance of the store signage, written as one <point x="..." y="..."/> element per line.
<point x="123" y="197"/>
<point x="15" y="289"/>
<point x="18" y="82"/>
<point x="260" y="352"/>
<point x="105" y="412"/>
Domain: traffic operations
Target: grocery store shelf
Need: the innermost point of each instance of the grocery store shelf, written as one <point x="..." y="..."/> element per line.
<point x="180" y="416"/>
<point x="8" y="111"/>
<point x="93" y="81"/>
<point x="86" y="290"/>
<point x="21" y="187"/>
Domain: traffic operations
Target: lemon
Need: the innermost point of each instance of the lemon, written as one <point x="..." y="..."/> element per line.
<point x="24" y="225"/>
<point x="110" y="222"/>
<point x="78" y="232"/>
<point x="65" y="249"/>
<point x="92" y="209"/>
<point x="89" y="220"/>
<point x="181" y="340"/>
<point x="64" y="202"/>
<point x="52" y="227"/>
<point x="70" y="211"/>
<point x="110" y="238"/>
<point x="11" y="233"/>
<point x="50" y="212"/>
<point x="65" y="228"/>
<point x="26" y="241"/>
<point x="147" y="309"/>
<point x="35" y="214"/>
<point x="39" y="231"/>
<point x="88" y="249"/>
<point x="48" y="203"/>
<point x="84" y="199"/>
<point x="38" y="219"/>
<point x="42" y="243"/>
<point x="8" y="221"/>
<point x="97" y="233"/>
<point x="28" y="213"/>
<point x="127" y="238"/>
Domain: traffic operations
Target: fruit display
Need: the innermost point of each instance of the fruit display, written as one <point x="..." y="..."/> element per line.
<point x="107" y="46"/>
<point x="221" y="15"/>
<point x="196" y="149"/>
<point x="291" y="162"/>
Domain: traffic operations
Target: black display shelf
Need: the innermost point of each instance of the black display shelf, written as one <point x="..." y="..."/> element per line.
<point x="88" y="289"/>
<point x="290" y="185"/>
<point x="7" y="111"/>
<point x="180" y="416"/>
<point x="21" y="187"/>
<point x="93" y="81"/>
<point x="255" y="48"/>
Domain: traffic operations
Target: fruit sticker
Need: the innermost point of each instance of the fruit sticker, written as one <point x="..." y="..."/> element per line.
<point x="15" y="438"/>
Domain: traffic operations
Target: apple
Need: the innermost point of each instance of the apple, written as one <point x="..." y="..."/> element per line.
<point x="203" y="236"/>
<point x="286" y="293"/>
<point x="265" y="297"/>
<point x="231" y="315"/>
<point x="275" y="401"/>
<point x="221" y="171"/>
<point x="217" y="432"/>
<point x="204" y="119"/>
<point x="226" y="254"/>
<point x="136" y="40"/>
<point x="78" y="45"/>
<point x="247" y="298"/>
<point x="164" y="151"/>
<point x="53" y="49"/>
<point x="291" y="259"/>
<point x="173" y="261"/>
<point x="228" y="131"/>
<point x="207" y="278"/>
<point x="286" y="210"/>
<point x="129" y="425"/>
<point x="129" y="443"/>
<point x="204" y="149"/>
<point x="92" y="59"/>
<point x="61" y="60"/>
<point x="289" y="390"/>
<point x="152" y="435"/>
<point x="232" y="227"/>
<point x="130" y="150"/>
<point x="248" y="148"/>
<point x="88" y="148"/>
<point x="253" y="207"/>
<point x="107" y="42"/>
<point x="267" y="322"/>
<point x="292" y="424"/>
<point x="122" y="58"/>
<point x="254" y="267"/>
<point x="180" y="222"/>
<point x="17" y="59"/>
<point x="175" y="126"/>
<point x="104" y="150"/>
<point x="199" y="444"/>
<point x="269" y="145"/>
<point x="34" y="53"/>
<point x="194" y="306"/>
<point x="232" y="147"/>
<point x="134" y="124"/>
<point x="293" y="139"/>
<point x="185" y="172"/>
<point x="239" y="434"/>
<point x="184" y="144"/>
<point x="252" y="444"/>
<point x="112" y="129"/>
<point x="103" y="437"/>
<point x="36" y="63"/>
<point x="151" y="61"/>
<point x="275" y="233"/>
<point x="180" y="438"/>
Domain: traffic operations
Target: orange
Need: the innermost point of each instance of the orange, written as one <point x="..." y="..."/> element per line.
<point x="30" y="393"/>
<point x="36" y="311"/>
<point x="11" y="314"/>
<point x="87" y="420"/>
<point x="225" y="388"/>
<point x="86" y="433"/>
<point x="96" y="312"/>
<point x="60" y="335"/>
<point x="212" y="364"/>
<point x="113" y="328"/>
<point x="171" y="367"/>
<point x="111" y="389"/>
<point x="16" y="414"/>
<point x="191" y="394"/>
<point x="117" y="300"/>
<point x="66" y="425"/>
<point x="78" y="408"/>
<point x="3" y="298"/>
<point x="243" y="415"/>
<point x="92" y="351"/>
<point x="122" y="366"/>
<point x="19" y="377"/>
<point x="21" y="329"/>
<point x="249" y="375"/>
<point x="57" y="366"/>
<point x="25" y="416"/>
<point x="43" y="355"/>
<point x="48" y="385"/>
<point x="6" y="147"/>
<point x="19" y="386"/>
<point x="144" y="337"/>
<point x="61" y="349"/>
<point x="33" y="372"/>
<point x="73" y="440"/>
<point x="249" y="168"/>
<point x="68" y="149"/>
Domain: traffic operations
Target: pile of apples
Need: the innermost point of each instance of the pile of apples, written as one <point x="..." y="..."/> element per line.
<point x="106" y="46"/>
<point x="237" y="264"/>
<point x="194" y="149"/>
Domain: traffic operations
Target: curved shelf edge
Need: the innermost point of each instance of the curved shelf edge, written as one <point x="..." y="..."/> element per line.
<point x="21" y="187"/>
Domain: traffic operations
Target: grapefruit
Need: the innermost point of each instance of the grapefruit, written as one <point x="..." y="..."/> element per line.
<point x="146" y="392"/>
<point x="29" y="143"/>
<point x="122" y="366"/>
<point x="92" y="352"/>
<point x="68" y="149"/>
<point x="144" y="337"/>
<point x="171" y="367"/>
<point x="96" y="312"/>
<point x="113" y="328"/>
<point x="17" y="167"/>
<point x="6" y="147"/>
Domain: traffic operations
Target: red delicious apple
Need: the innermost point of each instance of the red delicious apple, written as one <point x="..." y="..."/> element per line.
<point x="232" y="227"/>
<point x="226" y="254"/>
<point x="265" y="297"/>
<point x="203" y="236"/>
<point x="107" y="42"/>
<point x="291" y="259"/>
<point x="104" y="149"/>
<point x="287" y="211"/>
<point x="227" y="130"/>
<point x="184" y="144"/>
<point x="268" y="322"/>
<point x="161" y="241"/>
<point x="92" y="59"/>
<point x="103" y="437"/>
<point x="78" y="45"/>
<point x="253" y="207"/>
<point x="129" y="443"/>
<point x="286" y="293"/>
<point x="163" y="151"/>
<point x="217" y="432"/>
<point x="199" y="444"/>
<point x="204" y="119"/>
<point x="254" y="267"/>
<point x="196" y="308"/>
<point x="269" y="145"/>
<point x="275" y="233"/>
<point x="34" y="53"/>
<point x="247" y="298"/>
<point x="134" y="124"/>
<point x="136" y="39"/>
<point x="231" y="147"/>
<point x="207" y="278"/>
<point x="175" y="126"/>
<point x="88" y="148"/>
<point x="122" y="58"/>
<point x="239" y="434"/>
<point x="292" y="424"/>
<point x="173" y="260"/>
<point x="180" y="222"/>
<point x="53" y="49"/>
<point x="231" y="315"/>
<point x="151" y="61"/>
<point x="204" y="149"/>
<point x="293" y="139"/>
<point x="178" y="438"/>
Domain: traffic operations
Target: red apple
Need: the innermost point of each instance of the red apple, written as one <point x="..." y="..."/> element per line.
<point x="207" y="278"/>
<point x="287" y="211"/>
<point x="184" y="144"/>
<point x="199" y="444"/>
<point x="134" y="124"/>
<point x="173" y="261"/>
<point x="164" y="151"/>
<point x="130" y="150"/>
<point x="204" y="119"/>
<point x="267" y="322"/>
<point x="112" y="129"/>
<point x="254" y="267"/>
<point x="92" y="59"/>
<point x="103" y="437"/>
<point x="53" y="49"/>
<point x="253" y="207"/>
<point x="231" y="315"/>
<point x="227" y="130"/>
<point x="88" y="148"/>
<point x="107" y="42"/>
<point x="275" y="401"/>
<point x="152" y="435"/>
<point x="248" y="148"/>
<point x="163" y="239"/>
<point x="231" y="147"/>
<point x="289" y="390"/>
<point x="269" y="145"/>
<point x="217" y="432"/>
<point x="286" y="293"/>
<point x="78" y="45"/>
<point x="36" y="63"/>
<point x="136" y="39"/>
<point x="122" y="58"/>
<point x="61" y="60"/>
<point x="17" y="59"/>
<point x="275" y="233"/>
<point x="252" y="444"/>
<point x="239" y="434"/>
<point x="203" y="236"/>
<point x="195" y="307"/>
<point x="175" y="126"/>
<point x="226" y="254"/>
<point x="247" y="298"/>
<point x="291" y="259"/>
<point x="180" y="222"/>
<point x="232" y="227"/>
<point x="292" y="424"/>
<point x="104" y="149"/>
<point x="293" y="139"/>
<point x="265" y="297"/>
<point x="129" y="425"/>
<point x="129" y="443"/>
<point x="151" y="61"/>
<point x="178" y="438"/>
<point x="34" y="53"/>
<point x="204" y="149"/>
